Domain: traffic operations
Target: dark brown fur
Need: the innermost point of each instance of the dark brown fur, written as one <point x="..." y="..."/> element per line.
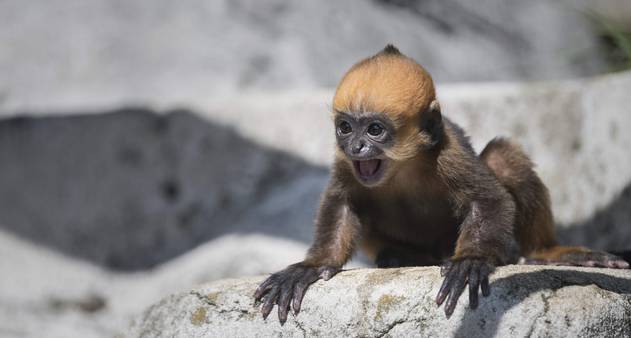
<point x="421" y="207"/>
<point x="438" y="200"/>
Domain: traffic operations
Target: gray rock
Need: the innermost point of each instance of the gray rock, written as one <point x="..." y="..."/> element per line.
<point x="524" y="301"/>
<point x="131" y="188"/>
<point x="152" y="185"/>
<point x="61" y="52"/>
<point x="97" y="188"/>
<point x="46" y="294"/>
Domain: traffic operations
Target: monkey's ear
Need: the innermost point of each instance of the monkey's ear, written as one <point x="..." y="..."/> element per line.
<point x="432" y="123"/>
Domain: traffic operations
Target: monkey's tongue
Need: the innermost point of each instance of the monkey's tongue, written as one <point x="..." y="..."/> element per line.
<point x="369" y="167"/>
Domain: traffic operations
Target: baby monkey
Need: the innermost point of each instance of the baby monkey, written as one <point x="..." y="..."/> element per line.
<point x="408" y="189"/>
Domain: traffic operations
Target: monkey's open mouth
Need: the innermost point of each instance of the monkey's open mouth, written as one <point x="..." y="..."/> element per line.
<point x="369" y="171"/>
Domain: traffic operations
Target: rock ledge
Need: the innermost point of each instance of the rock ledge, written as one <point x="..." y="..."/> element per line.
<point x="524" y="301"/>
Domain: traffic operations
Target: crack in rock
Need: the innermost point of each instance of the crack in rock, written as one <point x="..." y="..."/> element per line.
<point x="391" y="327"/>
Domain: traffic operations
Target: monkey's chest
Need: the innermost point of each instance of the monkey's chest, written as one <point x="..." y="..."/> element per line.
<point x="420" y="220"/>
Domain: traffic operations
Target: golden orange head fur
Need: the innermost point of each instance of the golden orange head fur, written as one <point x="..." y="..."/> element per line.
<point x="396" y="85"/>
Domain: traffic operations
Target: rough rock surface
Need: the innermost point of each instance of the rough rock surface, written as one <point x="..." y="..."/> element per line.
<point x="46" y="294"/>
<point x="524" y="301"/>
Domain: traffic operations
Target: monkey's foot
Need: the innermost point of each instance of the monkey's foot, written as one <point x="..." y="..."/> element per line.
<point x="289" y="286"/>
<point x="597" y="259"/>
<point x="460" y="272"/>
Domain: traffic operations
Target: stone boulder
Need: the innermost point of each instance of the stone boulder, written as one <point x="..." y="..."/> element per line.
<point x="165" y="51"/>
<point x="185" y="196"/>
<point x="524" y="301"/>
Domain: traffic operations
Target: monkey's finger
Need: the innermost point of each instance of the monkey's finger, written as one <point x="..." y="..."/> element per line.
<point x="484" y="277"/>
<point x="486" y="289"/>
<point x="298" y="294"/>
<point x="445" y="287"/>
<point x="299" y="291"/>
<point x="263" y="288"/>
<point x="600" y="264"/>
<point x="458" y="287"/>
<point x="286" y="291"/>
<point x="611" y="261"/>
<point x="270" y="300"/>
<point x="474" y="285"/>
<point x="445" y="268"/>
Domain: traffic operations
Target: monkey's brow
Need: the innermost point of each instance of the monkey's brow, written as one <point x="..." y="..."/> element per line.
<point x="365" y="115"/>
<point x="383" y="118"/>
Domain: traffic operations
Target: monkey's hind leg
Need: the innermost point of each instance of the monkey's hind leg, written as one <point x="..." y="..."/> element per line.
<point x="534" y="224"/>
<point x="575" y="256"/>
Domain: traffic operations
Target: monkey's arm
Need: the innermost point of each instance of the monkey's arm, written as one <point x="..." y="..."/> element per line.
<point x="334" y="243"/>
<point x="485" y="241"/>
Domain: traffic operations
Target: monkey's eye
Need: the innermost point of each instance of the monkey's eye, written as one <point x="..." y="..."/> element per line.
<point x="345" y="127"/>
<point x="375" y="129"/>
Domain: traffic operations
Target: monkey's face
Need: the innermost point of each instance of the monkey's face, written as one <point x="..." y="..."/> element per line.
<point x="385" y="112"/>
<point x="364" y="139"/>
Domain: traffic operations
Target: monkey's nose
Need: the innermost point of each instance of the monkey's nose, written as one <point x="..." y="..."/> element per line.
<point x="358" y="148"/>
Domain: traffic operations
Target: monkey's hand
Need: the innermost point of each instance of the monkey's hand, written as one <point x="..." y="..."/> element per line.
<point x="289" y="286"/>
<point x="460" y="272"/>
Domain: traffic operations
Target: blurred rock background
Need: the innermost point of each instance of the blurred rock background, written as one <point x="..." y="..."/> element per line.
<point x="149" y="146"/>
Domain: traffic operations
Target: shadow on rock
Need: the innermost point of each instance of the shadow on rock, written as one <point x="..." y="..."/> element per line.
<point x="132" y="188"/>
<point x="608" y="229"/>
<point x="514" y="289"/>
